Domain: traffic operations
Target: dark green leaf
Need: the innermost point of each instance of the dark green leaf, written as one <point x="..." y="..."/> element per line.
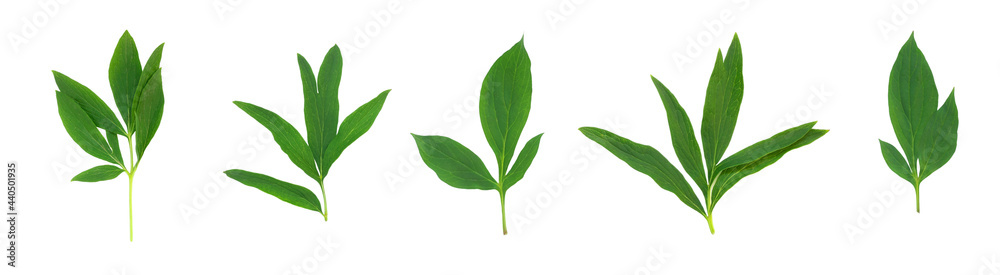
<point x="81" y="129"/>
<point x="355" y="125"/>
<point x="285" y="135"/>
<point x="116" y="151"/>
<point x="895" y="161"/>
<point x="151" y="69"/>
<point x="124" y="74"/>
<point x="523" y="161"/>
<point x="765" y="147"/>
<point x="95" y="108"/>
<point x="455" y="164"/>
<point x="913" y="98"/>
<point x="940" y="138"/>
<point x="722" y="104"/>
<point x="290" y="193"/>
<point x="99" y="173"/>
<point x="732" y="175"/>
<point x="325" y="108"/>
<point x="314" y="110"/>
<point x="504" y="102"/>
<point x="649" y="161"/>
<point x="149" y="111"/>
<point x="682" y="137"/>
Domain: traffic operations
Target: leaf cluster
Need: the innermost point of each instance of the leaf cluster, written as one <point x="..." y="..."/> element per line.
<point x="326" y="142"/>
<point x="715" y="175"/>
<point x="504" y="103"/>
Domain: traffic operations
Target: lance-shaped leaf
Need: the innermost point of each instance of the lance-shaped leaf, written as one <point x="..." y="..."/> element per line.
<point x="93" y="106"/>
<point x="504" y="102"/>
<point x="913" y="98"/>
<point x="730" y="176"/>
<point x="290" y="193"/>
<point x="764" y="147"/>
<point x="354" y="125"/>
<point x="285" y="135"/>
<point x="453" y="163"/>
<point x="81" y="129"/>
<point x="322" y="108"/>
<point x="896" y="162"/>
<point x="99" y="173"/>
<point x="682" y="137"/>
<point x="722" y="103"/>
<point x="124" y="74"/>
<point x="320" y="130"/>
<point x="149" y="112"/>
<point x="939" y="138"/>
<point x="524" y="159"/>
<point x="152" y="68"/>
<point x="649" y="161"/>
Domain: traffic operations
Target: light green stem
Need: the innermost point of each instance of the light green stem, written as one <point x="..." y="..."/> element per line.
<point x="129" y="207"/>
<point x="325" y="207"/>
<point x="503" y="213"/>
<point x="917" y="187"/>
<point x="131" y="174"/>
<point x="710" y="226"/>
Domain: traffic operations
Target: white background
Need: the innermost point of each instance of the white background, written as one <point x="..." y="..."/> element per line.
<point x="579" y="210"/>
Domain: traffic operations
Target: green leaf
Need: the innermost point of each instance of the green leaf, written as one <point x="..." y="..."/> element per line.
<point x="290" y="193"/>
<point x="722" y="104"/>
<point x="504" y="102"/>
<point x="285" y="135"/>
<point x="95" y="108"/>
<point x="649" y="161"/>
<point x="151" y="69"/>
<point x="765" y="147"/>
<point x="895" y="161"/>
<point x="523" y="161"/>
<point x="81" y="129"/>
<point x="116" y="151"/>
<point x="913" y="98"/>
<point x="939" y="138"/>
<point x="99" y="173"/>
<point x="324" y="108"/>
<point x="149" y="111"/>
<point x="355" y="125"/>
<point x="453" y="163"/>
<point x="729" y="177"/>
<point x="315" y="113"/>
<point x="124" y="74"/>
<point x="682" y="137"/>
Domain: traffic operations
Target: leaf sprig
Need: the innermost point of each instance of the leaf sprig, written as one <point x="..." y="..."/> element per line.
<point x="927" y="134"/>
<point x="138" y="94"/>
<point x="722" y="105"/>
<point x="325" y="141"/>
<point x="504" y="102"/>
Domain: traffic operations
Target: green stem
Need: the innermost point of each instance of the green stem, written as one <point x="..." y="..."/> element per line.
<point x="710" y="226"/>
<point x="325" y="207"/>
<point x="917" y="187"/>
<point x="131" y="174"/>
<point x="130" y="207"/>
<point x="503" y="213"/>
